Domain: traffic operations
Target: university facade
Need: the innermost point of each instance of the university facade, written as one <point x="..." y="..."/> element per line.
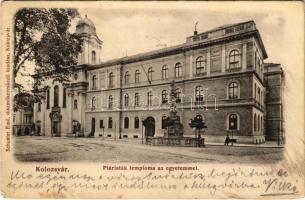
<point x="219" y="74"/>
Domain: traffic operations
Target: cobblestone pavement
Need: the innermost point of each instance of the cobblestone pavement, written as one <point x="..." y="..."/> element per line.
<point x="59" y="149"/>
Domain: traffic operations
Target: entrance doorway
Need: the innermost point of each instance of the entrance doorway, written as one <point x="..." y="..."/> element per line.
<point x="149" y="127"/>
<point x="92" y="127"/>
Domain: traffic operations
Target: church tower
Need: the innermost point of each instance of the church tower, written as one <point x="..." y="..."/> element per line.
<point x="92" y="45"/>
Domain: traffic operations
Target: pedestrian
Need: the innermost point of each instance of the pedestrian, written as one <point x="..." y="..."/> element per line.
<point x="227" y="140"/>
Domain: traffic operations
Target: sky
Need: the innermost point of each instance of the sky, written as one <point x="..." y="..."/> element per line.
<point x="131" y="28"/>
<point x="138" y="30"/>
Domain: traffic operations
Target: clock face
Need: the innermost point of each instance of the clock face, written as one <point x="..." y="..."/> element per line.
<point x="75" y="76"/>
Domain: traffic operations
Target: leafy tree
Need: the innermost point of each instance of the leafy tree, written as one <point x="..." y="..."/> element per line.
<point x="42" y="36"/>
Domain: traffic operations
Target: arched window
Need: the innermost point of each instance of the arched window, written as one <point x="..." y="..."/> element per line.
<point x="75" y="104"/>
<point x="233" y="122"/>
<point x="254" y="122"/>
<point x="199" y="94"/>
<point x="137" y="76"/>
<point x="127" y="77"/>
<point x="93" y="102"/>
<point x="64" y="97"/>
<point x="94" y="80"/>
<point x="48" y="99"/>
<point x="149" y="98"/>
<point x="93" y="57"/>
<point x="233" y="90"/>
<point x="178" y="95"/>
<point x="126" y="122"/>
<point x="136" y="99"/>
<point x="110" y="122"/>
<point x="126" y="100"/>
<point x="163" y="122"/>
<point x="136" y="122"/>
<point x="234" y="59"/>
<point x="38" y="107"/>
<point x="111" y="79"/>
<point x="200" y="65"/>
<point x="178" y="68"/>
<point x="150" y="74"/>
<point x="110" y="101"/>
<point x="56" y="96"/>
<point x="164" y="72"/>
<point x="164" y="96"/>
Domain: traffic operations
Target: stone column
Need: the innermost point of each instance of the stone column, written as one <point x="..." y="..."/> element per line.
<point x="208" y="62"/>
<point x="81" y="109"/>
<point x="191" y="64"/>
<point x="70" y="107"/>
<point x="42" y="116"/>
<point x="223" y="59"/>
<point x="244" y="57"/>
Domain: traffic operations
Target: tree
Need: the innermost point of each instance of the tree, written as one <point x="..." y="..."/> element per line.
<point x="42" y="36"/>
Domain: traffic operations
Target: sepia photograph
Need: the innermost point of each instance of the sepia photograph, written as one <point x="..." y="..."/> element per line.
<point x="89" y="90"/>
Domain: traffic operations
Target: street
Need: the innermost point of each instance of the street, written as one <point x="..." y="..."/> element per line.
<point x="60" y="149"/>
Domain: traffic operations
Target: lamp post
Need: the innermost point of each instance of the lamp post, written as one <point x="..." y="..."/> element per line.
<point x="232" y="138"/>
<point x="142" y="128"/>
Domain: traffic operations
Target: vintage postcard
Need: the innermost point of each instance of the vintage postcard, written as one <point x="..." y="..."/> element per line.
<point x="146" y="100"/>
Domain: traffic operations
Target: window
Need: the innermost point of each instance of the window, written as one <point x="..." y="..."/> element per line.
<point x="101" y="123"/>
<point x="64" y="98"/>
<point x="136" y="122"/>
<point x="150" y="73"/>
<point x="136" y="99"/>
<point x="111" y="79"/>
<point x="127" y="77"/>
<point x="178" y="68"/>
<point x="178" y="95"/>
<point x="126" y="122"/>
<point x="233" y="122"/>
<point x="56" y="96"/>
<point x="149" y="98"/>
<point x="200" y="65"/>
<point x="164" y="96"/>
<point x="234" y="59"/>
<point x="233" y="90"/>
<point x="93" y="57"/>
<point x="199" y="94"/>
<point x="110" y="122"/>
<point x="93" y="102"/>
<point x="137" y="76"/>
<point x="255" y="122"/>
<point x="258" y="94"/>
<point x="164" y="72"/>
<point x="75" y="104"/>
<point x="48" y="99"/>
<point x="126" y="100"/>
<point x="94" y="79"/>
<point x="163" y="122"/>
<point x="39" y="107"/>
<point x="75" y="76"/>
<point x="110" y="101"/>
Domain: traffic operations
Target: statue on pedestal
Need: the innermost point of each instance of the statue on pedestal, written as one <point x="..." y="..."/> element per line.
<point x="173" y="125"/>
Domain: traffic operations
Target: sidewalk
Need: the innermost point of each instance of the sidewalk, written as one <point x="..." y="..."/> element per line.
<point x="263" y="145"/>
<point x="268" y="144"/>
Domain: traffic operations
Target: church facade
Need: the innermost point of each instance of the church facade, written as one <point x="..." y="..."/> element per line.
<point x="219" y="74"/>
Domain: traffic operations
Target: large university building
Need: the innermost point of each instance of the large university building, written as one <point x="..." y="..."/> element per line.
<point x="219" y="74"/>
